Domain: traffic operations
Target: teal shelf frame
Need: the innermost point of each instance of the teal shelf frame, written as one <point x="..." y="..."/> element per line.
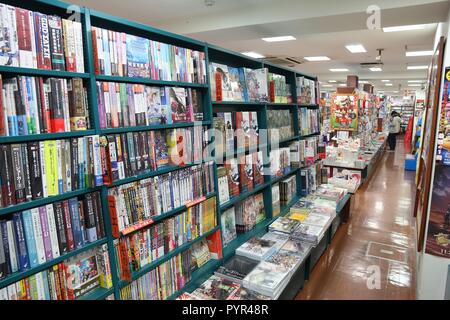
<point x="213" y="53"/>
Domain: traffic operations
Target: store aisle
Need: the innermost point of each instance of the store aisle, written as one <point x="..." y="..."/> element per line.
<point x="372" y="256"/>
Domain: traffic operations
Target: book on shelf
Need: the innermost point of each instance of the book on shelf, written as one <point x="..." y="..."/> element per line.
<point x="36" y="40"/>
<point x="233" y="174"/>
<point x="280" y="239"/>
<point x="162" y="281"/>
<point x="276" y="203"/>
<point x="127" y="55"/>
<point x="228" y="220"/>
<point x="283" y="225"/>
<point x="34" y="105"/>
<point x="39" y="169"/>
<point x="278" y="90"/>
<point x="306" y="91"/>
<point x="38" y="235"/>
<point x="138" y="202"/>
<point x="280" y="162"/>
<point x="249" y="212"/>
<point x="163" y="237"/>
<point x="67" y="280"/>
<point x="309" y="233"/>
<point x="280" y="124"/>
<point x="200" y="254"/>
<point x="133" y="153"/>
<point x="287" y="260"/>
<point x="223" y="185"/>
<point x="308" y="121"/>
<point x="288" y="190"/>
<point x="299" y="248"/>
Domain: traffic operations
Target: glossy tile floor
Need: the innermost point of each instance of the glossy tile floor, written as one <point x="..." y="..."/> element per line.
<point x="372" y="256"/>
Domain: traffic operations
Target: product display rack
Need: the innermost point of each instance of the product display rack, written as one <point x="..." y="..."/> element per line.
<point x="213" y="53"/>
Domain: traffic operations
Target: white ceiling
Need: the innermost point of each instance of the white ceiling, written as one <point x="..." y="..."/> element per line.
<point x="322" y="27"/>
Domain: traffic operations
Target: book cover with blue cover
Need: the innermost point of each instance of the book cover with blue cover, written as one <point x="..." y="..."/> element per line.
<point x="137" y="57"/>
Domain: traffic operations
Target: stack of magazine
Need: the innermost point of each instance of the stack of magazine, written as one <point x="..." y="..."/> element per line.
<point x="268" y="278"/>
<point x="257" y="248"/>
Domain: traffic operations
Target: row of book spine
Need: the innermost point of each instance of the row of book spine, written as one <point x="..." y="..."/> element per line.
<point x="36" y="40"/>
<point x="309" y="121"/>
<point x="240" y="175"/>
<point x="136" y="202"/>
<point x="280" y="124"/>
<point x="40" y="169"/>
<point x="33" y="237"/>
<point x="132" y="153"/>
<point x="34" y="105"/>
<point x="304" y="152"/>
<point x="148" y="245"/>
<point x="64" y="280"/>
<point x="280" y="161"/>
<point x="288" y="190"/>
<point x="161" y="282"/>
<point x="235" y="131"/>
<point x="128" y="105"/>
<point x="121" y="54"/>
<point x="249" y="213"/>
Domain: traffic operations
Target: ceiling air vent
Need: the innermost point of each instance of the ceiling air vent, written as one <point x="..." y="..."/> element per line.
<point x="285" y="61"/>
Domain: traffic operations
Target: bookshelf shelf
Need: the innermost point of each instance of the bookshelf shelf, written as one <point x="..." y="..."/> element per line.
<point x="46" y="136"/>
<point x="97" y="294"/>
<point x="151" y="82"/>
<point x="44" y="201"/>
<point x="166" y="215"/>
<point x="273" y="104"/>
<point x="284" y="176"/>
<point x="308" y="106"/>
<point x="294" y="138"/>
<point x="242" y="196"/>
<point x="155" y="127"/>
<point x="20" y="275"/>
<point x="166" y="257"/>
<point x="237" y="103"/>
<point x="309" y="135"/>
<point x="41" y="72"/>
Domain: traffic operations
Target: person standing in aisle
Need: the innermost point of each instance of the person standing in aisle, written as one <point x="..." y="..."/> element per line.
<point x="394" y="129"/>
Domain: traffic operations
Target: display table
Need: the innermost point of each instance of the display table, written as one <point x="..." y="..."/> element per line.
<point x="302" y="273"/>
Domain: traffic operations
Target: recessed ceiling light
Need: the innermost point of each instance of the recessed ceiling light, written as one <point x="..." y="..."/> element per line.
<point x="356" y="48"/>
<point x="332" y="81"/>
<point x="419" y="53"/>
<point x="339" y="70"/>
<point x="417" y="67"/>
<point x="318" y="58"/>
<point x="404" y="28"/>
<point x="388" y="84"/>
<point x="414" y="85"/>
<point x="278" y="39"/>
<point x="385" y="80"/>
<point x="416" y="81"/>
<point x="252" y="54"/>
<point x="376" y="69"/>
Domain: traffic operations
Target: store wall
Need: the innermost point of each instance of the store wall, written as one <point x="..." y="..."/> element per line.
<point x="432" y="271"/>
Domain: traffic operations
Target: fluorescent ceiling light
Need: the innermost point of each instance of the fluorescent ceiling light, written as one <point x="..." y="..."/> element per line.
<point x="417" y="67"/>
<point x="414" y="85"/>
<point x="339" y="70"/>
<point x="318" y="58"/>
<point x="388" y="84"/>
<point x="416" y="81"/>
<point x="332" y="81"/>
<point x="377" y="69"/>
<point x="342" y="85"/>
<point x="419" y="53"/>
<point x="356" y="48"/>
<point x="404" y="28"/>
<point x="385" y="80"/>
<point x="363" y="81"/>
<point x="252" y="54"/>
<point x="327" y="85"/>
<point x="278" y="39"/>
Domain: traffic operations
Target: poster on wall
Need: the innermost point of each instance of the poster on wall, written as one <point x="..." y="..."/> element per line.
<point x="344" y="112"/>
<point x="438" y="239"/>
<point x="443" y="142"/>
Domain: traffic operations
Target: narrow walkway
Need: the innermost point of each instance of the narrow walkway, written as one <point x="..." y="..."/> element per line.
<point x="372" y="256"/>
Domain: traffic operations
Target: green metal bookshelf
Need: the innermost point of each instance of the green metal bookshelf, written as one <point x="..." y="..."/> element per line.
<point x="90" y="18"/>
